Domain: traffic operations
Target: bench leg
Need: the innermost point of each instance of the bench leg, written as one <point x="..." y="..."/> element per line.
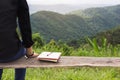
<point x="1" y="71"/>
<point x="20" y="74"/>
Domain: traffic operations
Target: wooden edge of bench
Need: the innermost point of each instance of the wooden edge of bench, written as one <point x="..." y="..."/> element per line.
<point x="65" y="61"/>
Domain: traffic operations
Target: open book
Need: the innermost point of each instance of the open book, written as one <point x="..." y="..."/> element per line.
<point x="49" y="56"/>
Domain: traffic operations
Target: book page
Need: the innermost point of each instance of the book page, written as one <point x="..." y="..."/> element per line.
<point x="50" y="55"/>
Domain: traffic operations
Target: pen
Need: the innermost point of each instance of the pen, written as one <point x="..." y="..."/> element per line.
<point x="49" y="54"/>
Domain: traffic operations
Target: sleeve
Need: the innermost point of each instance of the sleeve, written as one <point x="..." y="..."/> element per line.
<point x="24" y="23"/>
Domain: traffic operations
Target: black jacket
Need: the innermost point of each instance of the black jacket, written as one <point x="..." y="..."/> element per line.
<point x="11" y="13"/>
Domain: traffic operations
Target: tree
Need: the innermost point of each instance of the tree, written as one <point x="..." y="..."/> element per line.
<point x="38" y="41"/>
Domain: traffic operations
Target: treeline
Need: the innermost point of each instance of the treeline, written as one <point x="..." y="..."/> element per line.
<point x="112" y="36"/>
<point x="90" y="46"/>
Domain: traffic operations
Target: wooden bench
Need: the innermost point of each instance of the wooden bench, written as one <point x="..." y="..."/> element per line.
<point x="65" y="61"/>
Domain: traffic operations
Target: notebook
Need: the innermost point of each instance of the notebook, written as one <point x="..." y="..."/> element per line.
<point x="49" y="56"/>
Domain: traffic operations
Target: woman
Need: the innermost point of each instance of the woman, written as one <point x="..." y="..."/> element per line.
<point x="11" y="47"/>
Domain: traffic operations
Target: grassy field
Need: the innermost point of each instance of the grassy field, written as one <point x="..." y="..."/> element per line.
<point x="78" y="73"/>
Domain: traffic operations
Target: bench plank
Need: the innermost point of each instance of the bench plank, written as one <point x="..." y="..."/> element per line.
<point x="65" y="61"/>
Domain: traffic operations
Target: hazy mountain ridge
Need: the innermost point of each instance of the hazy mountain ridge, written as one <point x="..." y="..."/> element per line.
<point x="62" y="8"/>
<point x="94" y="11"/>
<point x="52" y="25"/>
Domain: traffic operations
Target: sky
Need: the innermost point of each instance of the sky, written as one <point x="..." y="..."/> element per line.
<point x="73" y="2"/>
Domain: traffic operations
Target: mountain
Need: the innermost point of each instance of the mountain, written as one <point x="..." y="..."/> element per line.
<point x="58" y="26"/>
<point x="103" y="18"/>
<point x="53" y="25"/>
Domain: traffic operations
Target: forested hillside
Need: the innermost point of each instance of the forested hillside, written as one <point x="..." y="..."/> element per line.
<point x="77" y="24"/>
<point x="57" y="26"/>
<point x="101" y="18"/>
<point x="112" y="36"/>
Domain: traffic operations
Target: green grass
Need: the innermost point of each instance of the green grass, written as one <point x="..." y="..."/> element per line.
<point x="78" y="73"/>
<point x="86" y="50"/>
<point x="109" y="52"/>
